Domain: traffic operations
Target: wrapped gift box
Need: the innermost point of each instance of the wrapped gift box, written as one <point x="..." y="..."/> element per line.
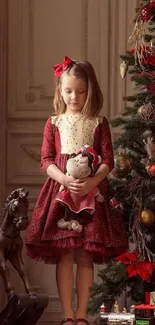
<point x="144" y="321"/>
<point x="144" y="314"/>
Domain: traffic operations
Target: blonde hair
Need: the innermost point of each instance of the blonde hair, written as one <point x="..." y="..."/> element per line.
<point x="94" y="101"/>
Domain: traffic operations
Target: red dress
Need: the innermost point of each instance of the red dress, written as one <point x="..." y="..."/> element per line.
<point x="104" y="235"/>
<point x="78" y="203"/>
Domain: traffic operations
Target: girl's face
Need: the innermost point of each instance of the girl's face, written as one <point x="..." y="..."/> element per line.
<point x="74" y="93"/>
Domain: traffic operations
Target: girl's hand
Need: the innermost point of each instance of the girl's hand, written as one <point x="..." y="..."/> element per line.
<point x="83" y="186"/>
<point x="68" y="180"/>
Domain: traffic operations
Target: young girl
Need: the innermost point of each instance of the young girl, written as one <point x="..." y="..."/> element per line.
<point x="78" y="101"/>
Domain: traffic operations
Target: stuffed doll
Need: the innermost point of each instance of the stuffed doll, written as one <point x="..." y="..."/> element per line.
<point x="79" y="208"/>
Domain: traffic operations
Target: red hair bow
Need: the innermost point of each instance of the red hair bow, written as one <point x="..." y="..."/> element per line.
<point x="61" y="67"/>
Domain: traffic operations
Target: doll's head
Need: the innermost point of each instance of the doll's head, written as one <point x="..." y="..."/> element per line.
<point x="77" y="88"/>
<point x="82" y="164"/>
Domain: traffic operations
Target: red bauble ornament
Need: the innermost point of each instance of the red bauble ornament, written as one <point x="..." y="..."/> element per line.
<point x="152" y="170"/>
<point x="150" y="167"/>
<point x="147" y="112"/>
<point x="146" y="13"/>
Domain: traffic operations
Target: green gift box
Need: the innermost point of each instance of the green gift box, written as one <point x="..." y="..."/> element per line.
<point x="145" y="321"/>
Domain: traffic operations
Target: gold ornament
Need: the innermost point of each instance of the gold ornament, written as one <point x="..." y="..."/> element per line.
<point x="146" y="217"/>
<point x="123" y="69"/>
<point x="123" y="164"/>
<point x="152" y="44"/>
<point x="116" y="307"/>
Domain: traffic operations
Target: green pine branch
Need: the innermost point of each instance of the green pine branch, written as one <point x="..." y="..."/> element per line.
<point x="113" y="280"/>
<point x="129" y="111"/>
<point x="117" y="121"/>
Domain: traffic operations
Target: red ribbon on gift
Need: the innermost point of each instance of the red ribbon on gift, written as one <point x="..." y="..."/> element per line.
<point x="61" y="67"/>
<point x="144" y="269"/>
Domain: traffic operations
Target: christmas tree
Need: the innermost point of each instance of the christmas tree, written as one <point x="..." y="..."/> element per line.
<point x="133" y="178"/>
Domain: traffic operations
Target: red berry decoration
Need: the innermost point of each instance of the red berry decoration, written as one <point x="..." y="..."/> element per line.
<point x="146" y="13"/>
<point x="147" y="112"/>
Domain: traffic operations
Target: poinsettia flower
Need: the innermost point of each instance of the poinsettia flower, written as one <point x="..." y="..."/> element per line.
<point x="127" y="258"/>
<point x="131" y="270"/>
<point x="143" y="269"/>
<point x="134" y="267"/>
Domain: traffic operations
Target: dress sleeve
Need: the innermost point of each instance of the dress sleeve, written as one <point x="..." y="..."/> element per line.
<point x="48" y="151"/>
<point x="106" y="145"/>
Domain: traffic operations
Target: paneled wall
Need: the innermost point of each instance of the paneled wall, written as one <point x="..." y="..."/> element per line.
<point x="39" y="34"/>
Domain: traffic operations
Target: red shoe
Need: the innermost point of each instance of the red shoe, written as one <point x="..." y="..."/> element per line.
<point x="81" y="320"/>
<point x="65" y="320"/>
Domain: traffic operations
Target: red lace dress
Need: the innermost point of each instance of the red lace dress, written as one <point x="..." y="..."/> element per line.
<point x="104" y="235"/>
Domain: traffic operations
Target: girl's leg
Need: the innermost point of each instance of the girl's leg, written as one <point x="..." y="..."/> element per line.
<point x="64" y="278"/>
<point x="84" y="281"/>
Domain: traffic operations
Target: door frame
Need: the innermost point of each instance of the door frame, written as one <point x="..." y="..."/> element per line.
<point x="3" y="113"/>
<point x="3" y="96"/>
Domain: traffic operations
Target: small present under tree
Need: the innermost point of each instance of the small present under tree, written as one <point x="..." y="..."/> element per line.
<point x="133" y="178"/>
